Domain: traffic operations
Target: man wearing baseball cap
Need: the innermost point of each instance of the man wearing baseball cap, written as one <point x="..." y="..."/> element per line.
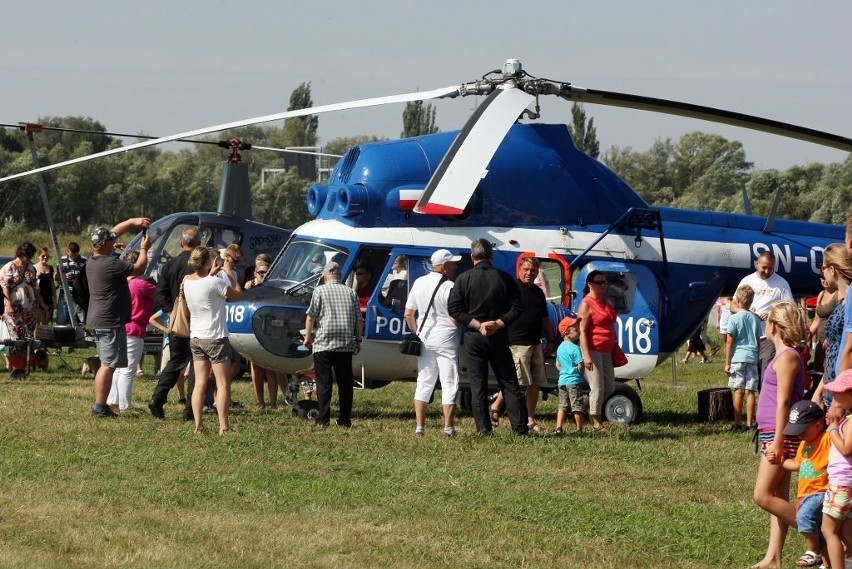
<point x="426" y="315"/>
<point x="109" y="303"/>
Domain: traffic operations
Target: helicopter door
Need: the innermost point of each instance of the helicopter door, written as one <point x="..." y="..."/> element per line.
<point x="385" y="311"/>
<point x="634" y="292"/>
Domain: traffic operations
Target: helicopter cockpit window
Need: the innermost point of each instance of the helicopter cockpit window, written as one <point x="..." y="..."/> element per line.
<point x="301" y="260"/>
<point x="550" y="280"/>
<point x="371" y="264"/>
<point x="621" y="290"/>
<point x="395" y="288"/>
<point x="219" y="237"/>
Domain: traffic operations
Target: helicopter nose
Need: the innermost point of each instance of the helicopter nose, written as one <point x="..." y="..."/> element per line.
<point x="259" y="329"/>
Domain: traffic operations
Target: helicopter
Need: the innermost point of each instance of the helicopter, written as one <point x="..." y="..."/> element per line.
<point x="525" y="187"/>
<point x="231" y="222"/>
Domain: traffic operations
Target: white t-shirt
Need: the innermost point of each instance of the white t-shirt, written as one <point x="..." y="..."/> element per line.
<point x="205" y="298"/>
<point x="766" y="293"/>
<point x="439" y="330"/>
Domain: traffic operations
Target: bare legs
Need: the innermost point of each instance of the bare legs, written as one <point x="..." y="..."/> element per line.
<point x="772" y="493"/>
<point x="223" y="393"/>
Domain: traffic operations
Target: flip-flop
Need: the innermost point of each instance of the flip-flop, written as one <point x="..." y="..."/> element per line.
<point x="533" y="427"/>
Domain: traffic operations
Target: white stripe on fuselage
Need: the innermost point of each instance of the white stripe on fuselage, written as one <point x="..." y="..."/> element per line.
<point x="541" y="241"/>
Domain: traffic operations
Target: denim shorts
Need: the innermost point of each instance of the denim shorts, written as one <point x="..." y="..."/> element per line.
<point x="744" y="376"/>
<point x="112" y="346"/>
<point x="809" y="513"/>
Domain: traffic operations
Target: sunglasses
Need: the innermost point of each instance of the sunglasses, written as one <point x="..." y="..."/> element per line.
<point x="599" y="282"/>
<point x="261" y="273"/>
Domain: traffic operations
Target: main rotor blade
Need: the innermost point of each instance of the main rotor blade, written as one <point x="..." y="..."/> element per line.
<point x="465" y="163"/>
<point x="711" y="114"/>
<point x="361" y="103"/>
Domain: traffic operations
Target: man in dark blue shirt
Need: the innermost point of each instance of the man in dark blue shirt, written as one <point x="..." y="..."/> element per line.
<point x="485" y="301"/>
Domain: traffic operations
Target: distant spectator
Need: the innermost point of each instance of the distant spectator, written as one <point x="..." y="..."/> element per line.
<point x="46" y="285"/>
<point x="364" y="285"/>
<point x="71" y="265"/>
<point x="23" y="304"/>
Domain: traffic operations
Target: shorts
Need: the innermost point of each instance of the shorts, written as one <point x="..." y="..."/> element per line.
<point x="112" y="346"/>
<point x="529" y="365"/>
<point x="571" y="397"/>
<point x="838" y="502"/>
<point x="744" y="376"/>
<point x="216" y="350"/>
<point x="791" y="444"/>
<point x="809" y="512"/>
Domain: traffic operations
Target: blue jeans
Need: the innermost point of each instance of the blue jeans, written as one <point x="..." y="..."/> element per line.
<point x="62" y="317"/>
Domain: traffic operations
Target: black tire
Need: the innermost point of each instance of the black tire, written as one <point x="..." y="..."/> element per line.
<point x="304" y="408"/>
<point x="623" y="406"/>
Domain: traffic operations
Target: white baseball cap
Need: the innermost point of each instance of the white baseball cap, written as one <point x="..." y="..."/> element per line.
<point x="442" y="256"/>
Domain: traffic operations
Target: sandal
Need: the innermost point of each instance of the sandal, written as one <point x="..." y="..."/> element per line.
<point x="809" y="559"/>
<point x="495" y="417"/>
<point x="533" y="427"/>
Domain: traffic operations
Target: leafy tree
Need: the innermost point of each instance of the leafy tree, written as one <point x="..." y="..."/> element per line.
<point x="301" y="131"/>
<point x="282" y="200"/>
<point x="584" y="133"/>
<point x="418" y="119"/>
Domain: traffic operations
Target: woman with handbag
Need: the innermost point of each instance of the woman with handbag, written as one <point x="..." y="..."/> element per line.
<point x="597" y="341"/>
<point x="205" y="295"/>
<point x="439" y="334"/>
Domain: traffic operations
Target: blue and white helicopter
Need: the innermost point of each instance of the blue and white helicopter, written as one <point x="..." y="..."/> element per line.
<point x="531" y="192"/>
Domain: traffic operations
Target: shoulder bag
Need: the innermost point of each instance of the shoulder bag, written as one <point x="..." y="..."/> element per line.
<point x="411" y="344"/>
<point x="179" y="317"/>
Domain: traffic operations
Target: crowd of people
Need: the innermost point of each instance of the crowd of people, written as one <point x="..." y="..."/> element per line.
<point x="791" y="378"/>
<point x="502" y="319"/>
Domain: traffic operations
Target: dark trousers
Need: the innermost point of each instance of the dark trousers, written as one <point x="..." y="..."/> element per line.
<point x="179" y="358"/>
<point x="494" y="350"/>
<point x="341" y="364"/>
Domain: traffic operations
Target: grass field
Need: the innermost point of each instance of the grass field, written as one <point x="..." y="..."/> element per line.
<point x="78" y="491"/>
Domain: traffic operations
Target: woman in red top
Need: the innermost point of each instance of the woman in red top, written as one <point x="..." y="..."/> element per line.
<point x="597" y="340"/>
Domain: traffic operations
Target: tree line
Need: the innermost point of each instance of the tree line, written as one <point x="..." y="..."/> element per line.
<point x="698" y="171"/>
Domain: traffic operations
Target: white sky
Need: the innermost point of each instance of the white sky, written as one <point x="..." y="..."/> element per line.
<point x="163" y="67"/>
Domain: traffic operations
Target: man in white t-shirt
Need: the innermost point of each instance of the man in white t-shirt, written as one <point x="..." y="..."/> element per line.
<point x="440" y="335"/>
<point x="769" y="288"/>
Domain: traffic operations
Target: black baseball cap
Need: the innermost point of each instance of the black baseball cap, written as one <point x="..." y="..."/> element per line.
<point x="802" y="414"/>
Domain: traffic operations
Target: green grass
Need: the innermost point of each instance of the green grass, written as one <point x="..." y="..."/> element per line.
<point x="135" y="492"/>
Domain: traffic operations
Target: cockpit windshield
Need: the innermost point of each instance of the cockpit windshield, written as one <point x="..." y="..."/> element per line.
<point x="302" y="260"/>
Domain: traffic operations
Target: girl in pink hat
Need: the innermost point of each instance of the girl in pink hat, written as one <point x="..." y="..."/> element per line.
<point x="837" y="505"/>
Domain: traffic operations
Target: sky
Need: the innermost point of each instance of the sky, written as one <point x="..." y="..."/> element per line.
<point x="164" y="67"/>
